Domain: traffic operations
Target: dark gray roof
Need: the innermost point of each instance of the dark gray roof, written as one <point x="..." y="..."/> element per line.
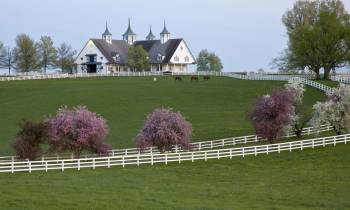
<point x="116" y="47"/>
<point x="153" y="47"/>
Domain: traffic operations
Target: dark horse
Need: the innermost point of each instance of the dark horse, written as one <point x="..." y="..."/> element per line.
<point x="178" y="78"/>
<point x="194" y="78"/>
<point x="206" y="78"/>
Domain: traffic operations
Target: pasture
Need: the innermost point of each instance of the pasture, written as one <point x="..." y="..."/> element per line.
<point x="310" y="179"/>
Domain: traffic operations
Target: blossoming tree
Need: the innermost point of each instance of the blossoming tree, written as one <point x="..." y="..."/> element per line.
<point x="77" y="130"/>
<point x="334" y="111"/>
<point x="273" y="114"/>
<point x="164" y="129"/>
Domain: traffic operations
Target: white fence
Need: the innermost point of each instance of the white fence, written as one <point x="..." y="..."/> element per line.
<point x="341" y="78"/>
<point x="138" y="159"/>
<point x="196" y="146"/>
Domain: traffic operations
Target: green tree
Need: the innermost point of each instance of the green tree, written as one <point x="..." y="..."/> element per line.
<point x="203" y="61"/>
<point x="208" y="62"/>
<point x="317" y="32"/>
<point x="138" y="58"/>
<point x="26" y="54"/>
<point x="6" y="58"/>
<point x="65" y="58"/>
<point x="47" y="52"/>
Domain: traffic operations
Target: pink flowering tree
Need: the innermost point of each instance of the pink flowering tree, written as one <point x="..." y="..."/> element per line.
<point x="273" y="115"/>
<point x="78" y="130"/>
<point x="164" y="129"/>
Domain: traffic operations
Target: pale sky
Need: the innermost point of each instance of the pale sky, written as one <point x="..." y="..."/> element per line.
<point x="246" y="34"/>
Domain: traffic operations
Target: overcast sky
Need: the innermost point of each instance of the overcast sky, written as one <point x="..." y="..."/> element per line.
<point x="246" y="34"/>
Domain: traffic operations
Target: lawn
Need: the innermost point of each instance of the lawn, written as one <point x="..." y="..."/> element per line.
<point x="216" y="108"/>
<point x="309" y="179"/>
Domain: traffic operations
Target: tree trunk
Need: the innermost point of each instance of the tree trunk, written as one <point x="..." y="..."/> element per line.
<point x="326" y="73"/>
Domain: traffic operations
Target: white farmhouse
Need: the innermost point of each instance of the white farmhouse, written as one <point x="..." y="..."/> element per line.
<point x="107" y="55"/>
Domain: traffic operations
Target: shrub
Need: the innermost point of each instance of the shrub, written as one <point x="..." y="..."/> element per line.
<point x="273" y="114"/>
<point x="77" y="130"/>
<point x="29" y="139"/>
<point x="335" y="111"/>
<point x="164" y="129"/>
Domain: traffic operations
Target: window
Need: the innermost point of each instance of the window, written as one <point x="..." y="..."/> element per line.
<point x="116" y="58"/>
<point x="159" y="57"/>
<point x="181" y="48"/>
<point x="176" y="58"/>
<point x="101" y="58"/>
<point x="81" y="58"/>
<point x="187" y="59"/>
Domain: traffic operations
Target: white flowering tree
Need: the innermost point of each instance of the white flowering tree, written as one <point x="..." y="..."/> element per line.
<point x="300" y="119"/>
<point x="335" y="111"/>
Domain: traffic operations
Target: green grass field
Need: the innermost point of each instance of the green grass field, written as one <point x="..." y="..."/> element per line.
<point x="216" y="108"/>
<point x="309" y="179"/>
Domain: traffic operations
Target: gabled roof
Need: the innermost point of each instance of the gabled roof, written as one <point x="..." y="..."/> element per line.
<point x="109" y="50"/>
<point x="155" y="47"/>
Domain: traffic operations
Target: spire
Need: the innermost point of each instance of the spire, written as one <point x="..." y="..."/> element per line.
<point x="150" y="35"/>
<point x="165" y="30"/>
<point x="129" y="36"/>
<point x="164" y="35"/>
<point x="106" y="33"/>
<point x="129" y="30"/>
<point x="107" y="36"/>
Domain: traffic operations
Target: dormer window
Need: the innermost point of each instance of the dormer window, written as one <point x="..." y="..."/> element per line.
<point x="176" y="58"/>
<point x="116" y="57"/>
<point x="159" y="57"/>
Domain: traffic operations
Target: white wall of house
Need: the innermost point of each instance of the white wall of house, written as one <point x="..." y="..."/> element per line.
<point x="182" y="55"/>
<point x="90" y="48"/>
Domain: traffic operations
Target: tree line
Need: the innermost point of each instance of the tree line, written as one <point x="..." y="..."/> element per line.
<point x="29" y="55"/>
<point x="318" y="38"/>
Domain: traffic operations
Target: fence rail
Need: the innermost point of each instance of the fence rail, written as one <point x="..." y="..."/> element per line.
<point x="138" y="159"/>
<point x="196" y="146"/>
<point x="341" y="78"/>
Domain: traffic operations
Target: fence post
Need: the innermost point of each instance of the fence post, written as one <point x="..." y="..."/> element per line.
<point x="267" y="149"/>
<point x="324" y="142"/>
<point x="301" y="145"/>
<point x="243" y="151"/>
<point x="151" y="159"/>
<point x="62" y="164"/>
<point x="205" y="155"/>
<point x="12" y="164"/>
<point x="256" y="138"/>
<point x="211" y="144"/>
<point x="290" y="147"/>
<point x="179" y="156"/>
<point x="334" y="141"/>
<point x="166" y="159"/>
<point x="138" y="160"/>
<point x="222" y="143"/>
<point x="245" y="139"/>
<point x="255" y="151"/>
<point x="46" y="166"/>
<point x="123" y="161"/>
<point x="78" y="164"/>
<point x="345" y="139"/>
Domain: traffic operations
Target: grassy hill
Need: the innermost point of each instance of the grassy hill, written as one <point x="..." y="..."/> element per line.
<point x="216" y="108"/>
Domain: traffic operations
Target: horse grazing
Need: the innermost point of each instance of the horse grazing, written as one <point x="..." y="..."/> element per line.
<point x="195" y="78"/>
<point x="178" y="78"/>
<point x="206" y="78"/>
